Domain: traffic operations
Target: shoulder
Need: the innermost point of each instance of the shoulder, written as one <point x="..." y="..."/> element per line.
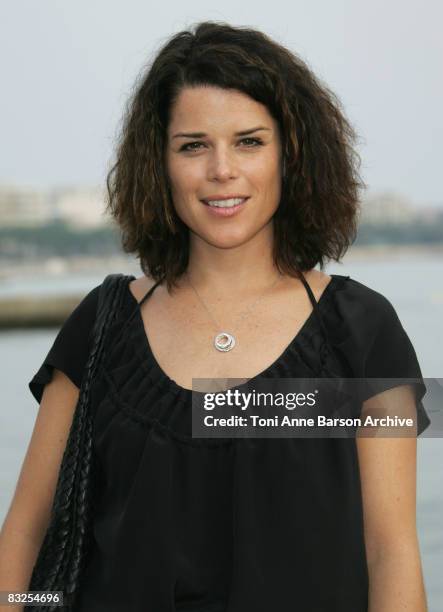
<point x="362" y="303"/>
<point x="79" y="323"/>
<point x="381" y="339"/>
<point x="358" y="314"/>
<point x="70" y="347"/>
<point x="366" y="293"/>
<point x="77" y="327"/>
<point x="87" y="307"/>
<point x="352" y="296"/>
<point x="140" y="286"/>
<point x="317" y="281"/>
<point x="375" y="307"/>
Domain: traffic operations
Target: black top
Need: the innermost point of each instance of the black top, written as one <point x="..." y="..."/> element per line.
<point x="227" y="525"/>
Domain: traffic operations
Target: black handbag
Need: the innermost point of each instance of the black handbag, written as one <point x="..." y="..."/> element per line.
<point x="67" y="540"/>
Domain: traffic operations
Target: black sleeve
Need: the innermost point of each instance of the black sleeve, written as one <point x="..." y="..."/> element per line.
<point x="390" y="355"/>
<point x="70" y="349"/>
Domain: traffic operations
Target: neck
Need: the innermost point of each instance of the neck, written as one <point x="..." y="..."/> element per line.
<point x="239" y="270"/>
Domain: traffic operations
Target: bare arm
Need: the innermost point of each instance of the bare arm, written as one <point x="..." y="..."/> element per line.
<point x="388" y="477"/>
<point x="25" y="524"/>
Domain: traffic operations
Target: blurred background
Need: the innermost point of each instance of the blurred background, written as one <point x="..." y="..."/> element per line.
<point x="67" y="70"/>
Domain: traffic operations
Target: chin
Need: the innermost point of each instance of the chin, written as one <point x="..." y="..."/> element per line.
<point x="227" y="238"/>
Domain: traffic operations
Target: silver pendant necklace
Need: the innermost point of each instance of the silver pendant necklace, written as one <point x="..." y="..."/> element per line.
<point x="224" y="341"/>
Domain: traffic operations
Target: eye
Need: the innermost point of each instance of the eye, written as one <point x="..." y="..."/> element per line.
<point x="258" y="141"/>
<point x="189" y="145"/>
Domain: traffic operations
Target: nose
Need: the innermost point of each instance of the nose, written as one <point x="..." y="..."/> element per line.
<point x="221" y="166"/>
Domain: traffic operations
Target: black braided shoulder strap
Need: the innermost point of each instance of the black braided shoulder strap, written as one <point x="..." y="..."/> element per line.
<point x="66" y="543"/>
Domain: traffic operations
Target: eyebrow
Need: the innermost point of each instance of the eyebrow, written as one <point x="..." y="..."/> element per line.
<point x="202" y="134"/>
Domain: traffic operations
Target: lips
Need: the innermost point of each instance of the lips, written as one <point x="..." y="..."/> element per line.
<point x="233" y="198"/>
<point x="225" y="211"/>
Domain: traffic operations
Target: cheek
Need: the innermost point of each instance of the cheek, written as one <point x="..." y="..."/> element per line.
<point x="267" y="168"/>
<point x="185" y="179"/>
<point x="185" y="188"/>
<point x="267" y="178"/>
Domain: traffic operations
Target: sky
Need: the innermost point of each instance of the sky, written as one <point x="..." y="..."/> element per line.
<point x="67" y="69"/>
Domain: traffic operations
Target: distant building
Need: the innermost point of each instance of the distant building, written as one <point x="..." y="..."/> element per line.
<point x="27" y="207"/>
<point x="431" y="214"/>
<point x="24" y="206"/>
<point x="387" y="207"/>
<point x="80" y="207"/>
<point x="84" y="207"/>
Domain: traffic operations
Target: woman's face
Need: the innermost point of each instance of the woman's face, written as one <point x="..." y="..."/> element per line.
<point x="213" y="160"/>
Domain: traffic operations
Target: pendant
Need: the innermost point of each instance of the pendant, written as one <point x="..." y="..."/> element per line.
<point x="224" y="342"/>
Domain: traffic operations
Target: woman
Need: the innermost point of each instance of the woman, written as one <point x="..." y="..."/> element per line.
<point x="235" y="176"/>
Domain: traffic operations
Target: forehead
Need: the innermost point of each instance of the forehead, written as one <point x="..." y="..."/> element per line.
<point x="206" y="107"/>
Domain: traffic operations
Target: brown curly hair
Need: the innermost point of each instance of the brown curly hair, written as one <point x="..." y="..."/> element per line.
<point x="317" y="215"/>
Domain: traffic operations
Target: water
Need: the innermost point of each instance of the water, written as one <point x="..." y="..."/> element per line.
<point x="413" y="285"/>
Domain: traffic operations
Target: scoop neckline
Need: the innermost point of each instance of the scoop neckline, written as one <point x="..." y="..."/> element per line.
<point x="148" y="353"/>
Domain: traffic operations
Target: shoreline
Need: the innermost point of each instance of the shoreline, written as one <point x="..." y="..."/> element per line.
<point x="59" y="266"/>
<point x="49" y="308"/>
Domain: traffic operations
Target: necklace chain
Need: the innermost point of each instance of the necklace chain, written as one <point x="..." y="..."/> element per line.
<point x="225" y="341"/>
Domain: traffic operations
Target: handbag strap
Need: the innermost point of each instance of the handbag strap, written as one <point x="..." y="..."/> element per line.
<point x="109" y="300"/>
<point x="65" y="546"/>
